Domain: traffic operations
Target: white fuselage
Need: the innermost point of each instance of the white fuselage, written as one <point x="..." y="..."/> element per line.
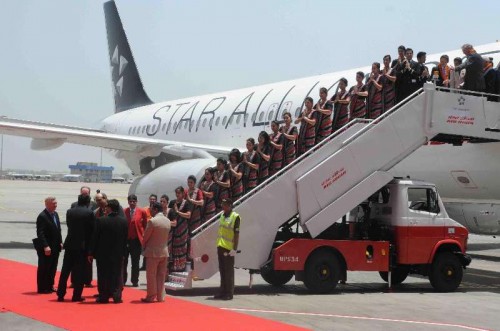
<point x="228" y="118"/>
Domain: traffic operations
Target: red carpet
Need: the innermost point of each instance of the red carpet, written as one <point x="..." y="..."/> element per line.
<point x="18" y="295"/>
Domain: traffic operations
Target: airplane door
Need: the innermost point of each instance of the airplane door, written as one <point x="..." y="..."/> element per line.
<point x="481" y="218"/>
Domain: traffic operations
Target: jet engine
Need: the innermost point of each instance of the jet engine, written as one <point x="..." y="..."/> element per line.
<point x="165" y="179"/>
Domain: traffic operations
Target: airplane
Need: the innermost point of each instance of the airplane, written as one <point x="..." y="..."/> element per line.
<point x="163" y="143"/>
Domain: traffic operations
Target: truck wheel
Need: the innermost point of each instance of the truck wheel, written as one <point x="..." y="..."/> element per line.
<point x="446" y="272"/>
<point x="322" y="272"/>
<point x="398" y="275"/>
<point x="276" y="277"/>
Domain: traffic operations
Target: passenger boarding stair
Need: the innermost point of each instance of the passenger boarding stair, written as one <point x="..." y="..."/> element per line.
<point x="341" y="172"/>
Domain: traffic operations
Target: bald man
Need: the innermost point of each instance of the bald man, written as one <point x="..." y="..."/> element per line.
<point x="473" y="80"/>
<point x="85" y="190"/>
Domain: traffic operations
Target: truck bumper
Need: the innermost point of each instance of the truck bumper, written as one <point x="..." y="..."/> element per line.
<point x="465" y="259"/>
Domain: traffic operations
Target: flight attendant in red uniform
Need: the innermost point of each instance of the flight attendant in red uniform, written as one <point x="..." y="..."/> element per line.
<point x="307" y="134"/>
<point x="221" y="179"/>
<point x="236" y="174"/>
<point x="324" y="108"/>
<point x="178" y="244"/>
<point x="341" y="101"/>
<point x="358" y="97"/>
<point x="277" y="141"/>
<point x="290" y="134"/>
<point x="137" y="221"/>
<point x="374" y="92"/>
<point x="194" y="196"/>
<point x="264" y="151"/>
<point x="209" y="190"/>
<point x="388" y="81"/>
<point x="251" y="162"/>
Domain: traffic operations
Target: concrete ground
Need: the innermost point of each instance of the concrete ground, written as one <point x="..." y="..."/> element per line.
<point x="363" y="303"/>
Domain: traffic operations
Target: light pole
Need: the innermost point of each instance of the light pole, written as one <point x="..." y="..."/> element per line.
<point x="1" y="150"/>
<point x="1" y="156"/>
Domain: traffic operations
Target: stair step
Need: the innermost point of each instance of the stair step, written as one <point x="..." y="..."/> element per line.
<point x="180" y="273"/>
<point x="179" y="280"/>
<point x="174" y="286"/>
<point x="175" y="279"/>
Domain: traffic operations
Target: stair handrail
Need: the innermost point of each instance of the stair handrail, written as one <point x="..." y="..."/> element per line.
<point x="383" y="116"/>
<point x="466" y="92"/>
<point x="281" y="171"/>
<point x="258" y="188"/>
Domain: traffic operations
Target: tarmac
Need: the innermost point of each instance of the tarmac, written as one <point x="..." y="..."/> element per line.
<point x="365" y="302"/>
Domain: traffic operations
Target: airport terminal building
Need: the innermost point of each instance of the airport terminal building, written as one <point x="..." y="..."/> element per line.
<point x="91" y="172"/>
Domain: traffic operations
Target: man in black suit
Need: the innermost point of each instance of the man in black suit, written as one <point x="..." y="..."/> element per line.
<point x="490" y="79"/>
<point x="108" y="246"/>
<point x="80" y="221"/>
<point x="401" y="58"/>
<point x="85" y="190"/>
<point x="407" y="75"/>
<point x="48" y="231"/>
<point x="422" y="70"/>
<point x="473" y="80"/>
<point x="92" y="205"/>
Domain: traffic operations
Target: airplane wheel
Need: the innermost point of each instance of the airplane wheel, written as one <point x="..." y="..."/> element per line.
<point x="276" y="277"/>
<point x="322" y="272"/>
<point x="446" y="272"/>
<point x="398" y="276"/>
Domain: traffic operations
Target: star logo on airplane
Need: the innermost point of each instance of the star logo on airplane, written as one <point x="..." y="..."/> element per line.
<point x="121" y="62"/>
<point x="461" y="101"/>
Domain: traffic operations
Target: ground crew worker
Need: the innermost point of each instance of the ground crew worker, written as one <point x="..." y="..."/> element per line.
<point x="227" y="245"/>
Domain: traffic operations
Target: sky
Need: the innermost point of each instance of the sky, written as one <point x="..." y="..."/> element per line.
<point x="54" y="64"/>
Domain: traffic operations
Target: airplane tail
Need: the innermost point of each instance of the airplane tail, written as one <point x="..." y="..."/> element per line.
<point x="127" y="86"/>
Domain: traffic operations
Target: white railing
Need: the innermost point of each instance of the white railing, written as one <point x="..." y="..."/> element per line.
<point x="264" y="184"/>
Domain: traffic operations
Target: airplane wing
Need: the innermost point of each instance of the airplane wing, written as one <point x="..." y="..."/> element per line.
<point x="49" y="136"/>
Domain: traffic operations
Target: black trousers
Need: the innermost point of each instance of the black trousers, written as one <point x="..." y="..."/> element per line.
<point x="110" y="278"/>
<point x="74" y="263"/>
<point x="226" y="270"/>
<point x="134" y="249"/>
<point x="88" y="273"/>
<point x="46" y="272"/>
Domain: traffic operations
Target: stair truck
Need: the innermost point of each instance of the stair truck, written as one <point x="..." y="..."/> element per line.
<point x="395" y="226"/>
<point x="401" y="229"/>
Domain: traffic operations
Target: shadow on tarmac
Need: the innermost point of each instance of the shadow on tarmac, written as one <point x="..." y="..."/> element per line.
<point x="474" y="280"/>
<point x="16" y="245"/>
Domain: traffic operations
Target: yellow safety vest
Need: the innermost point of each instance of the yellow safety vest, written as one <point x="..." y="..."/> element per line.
<point x="225" y="238"/>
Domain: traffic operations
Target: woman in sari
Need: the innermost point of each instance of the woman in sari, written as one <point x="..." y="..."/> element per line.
<point x="388" y="81"/>
<point x="290" y="134"/>
<point x="180" y="233"/>
<point x="236" y="174"/>
<point x="341" y="101"/>
<point x="358" y="95"/>
<point x="194" y="196"/>
<point x="221" y="179"/>
<point x="164" y="204"/>
<point x="374" y="92"/>
<point x="307" y="133"/>
<point x="324" y="109"/>
<point x="277" y="140"/>
<point x="209" y="190"/>
<point x="264" y="151"/>
<point x="251" y="161"/>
